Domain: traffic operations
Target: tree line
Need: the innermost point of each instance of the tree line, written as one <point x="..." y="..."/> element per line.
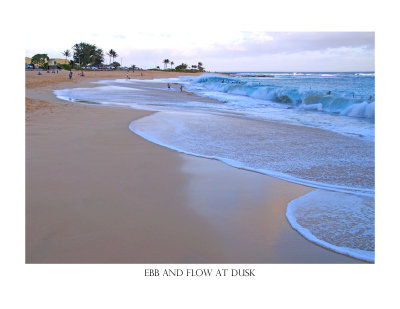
<point x="83" y="54"/>
<point x="183" y="66"/>
<point x="86" y="54"/>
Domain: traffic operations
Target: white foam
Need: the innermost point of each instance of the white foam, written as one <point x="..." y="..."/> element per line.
<point x="365" y="74"/>
<point x="363" y="110"/>
<point x="341" y="222"/>
<point x="309" y="158"/>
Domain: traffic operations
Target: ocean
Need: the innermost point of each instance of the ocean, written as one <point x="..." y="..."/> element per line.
<point x="316" y="129"/>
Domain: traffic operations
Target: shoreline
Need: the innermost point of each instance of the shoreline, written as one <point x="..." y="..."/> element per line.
<point x="285" y="177"/>
<point x="92" y="148"/>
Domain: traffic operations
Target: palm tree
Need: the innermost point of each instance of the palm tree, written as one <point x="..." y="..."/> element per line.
<point x="172" y="63"/>
<point x="109" y="54"/>
<point x="66" y="53"/>
<point x="166" y="61"/>
<point x="112" y="54"/>
<point x="200" y="66"/>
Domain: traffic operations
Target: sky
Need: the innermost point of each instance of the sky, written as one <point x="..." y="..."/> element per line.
<point x="227" y="50"/>
<point x="224" y="35"/>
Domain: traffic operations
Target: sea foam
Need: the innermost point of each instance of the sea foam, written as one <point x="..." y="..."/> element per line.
<point x="341" y="222"/>
<point x="303" y="155"/>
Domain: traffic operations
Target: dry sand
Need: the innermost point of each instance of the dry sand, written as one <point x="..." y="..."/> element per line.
<point x="98" y="193"/>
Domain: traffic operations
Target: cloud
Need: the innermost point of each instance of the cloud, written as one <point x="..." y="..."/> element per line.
<point x="118" y="36"/>
<point x="296" y="42"/>
<point x="235" y="50"/>
<point x="298" y="51"/>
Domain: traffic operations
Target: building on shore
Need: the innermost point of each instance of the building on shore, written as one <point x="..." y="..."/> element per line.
<point x="51" y="61"/>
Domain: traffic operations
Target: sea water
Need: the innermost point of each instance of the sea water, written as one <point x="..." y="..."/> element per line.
<point x="315" y="129"/>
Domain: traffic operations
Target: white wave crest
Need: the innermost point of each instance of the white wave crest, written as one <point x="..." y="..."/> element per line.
<point x="361" y="110"/>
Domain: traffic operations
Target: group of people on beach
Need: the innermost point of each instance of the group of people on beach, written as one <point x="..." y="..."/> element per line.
<point x="133" y="71"/>
<point x="48" y="71"/>
<point x="80" y="74"/>
<point x="69" y="75"/>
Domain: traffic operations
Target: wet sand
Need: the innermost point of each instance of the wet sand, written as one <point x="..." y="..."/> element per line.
<point x="98" y="193"/>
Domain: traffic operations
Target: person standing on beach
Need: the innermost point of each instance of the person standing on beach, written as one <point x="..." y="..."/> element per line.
<point x="70" y="74"/>
<point x="181" y="88"/>
<point x="169" y="86"/>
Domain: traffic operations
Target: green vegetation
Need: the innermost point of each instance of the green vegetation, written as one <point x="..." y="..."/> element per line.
<point x="166" y="61"/>
<point x="85" y="54"/>
<point x="135" y="67"/>
<point x="112" y="54"/>
<point x="200" y="67"/>
<point x="183" y="67"/>
<point x="66" y="53"/>
<point x="66" y="67"/>
<point x="188" y="71"/>
<point x="40" y="60"/>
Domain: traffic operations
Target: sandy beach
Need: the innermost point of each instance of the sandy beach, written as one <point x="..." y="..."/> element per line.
<point x="98" y="193"/>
